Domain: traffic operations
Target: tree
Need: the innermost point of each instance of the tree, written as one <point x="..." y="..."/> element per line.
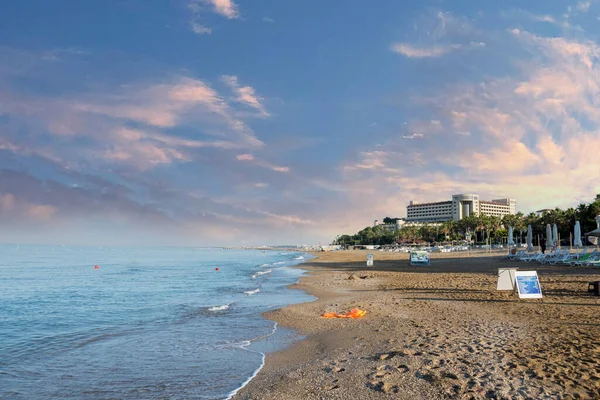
<point x="489" y="226"/>
<point x="448" y="228"/>
<point x="494" y="225"/>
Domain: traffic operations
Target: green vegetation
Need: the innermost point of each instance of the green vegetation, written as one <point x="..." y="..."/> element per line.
<point x="482" y="227"/>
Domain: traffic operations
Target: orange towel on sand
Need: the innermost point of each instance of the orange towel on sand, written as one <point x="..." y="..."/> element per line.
<point x="355" y="313"/>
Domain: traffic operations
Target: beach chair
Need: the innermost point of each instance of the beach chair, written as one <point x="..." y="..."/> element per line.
<point x="595" y="263"/>
<point x="563" y="259"/>
<point x="553" y="257"/>
<point x="583" y="260"/>
<point x="534" y="257"/>
<point x="516" y="255"/>
<point x="593" y="260"/>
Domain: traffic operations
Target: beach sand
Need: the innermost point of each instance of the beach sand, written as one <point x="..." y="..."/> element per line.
<point x="435" y="332"/>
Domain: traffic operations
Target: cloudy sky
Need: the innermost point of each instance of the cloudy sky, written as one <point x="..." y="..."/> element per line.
<point x="208" y="122"/>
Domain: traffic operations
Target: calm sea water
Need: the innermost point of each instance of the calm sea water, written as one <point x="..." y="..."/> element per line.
<point x="149" y="323"/>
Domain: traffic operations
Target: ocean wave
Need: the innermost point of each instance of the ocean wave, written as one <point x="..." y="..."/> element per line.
<point x="234" y="345"/>
<point x="264" y="265"/>
<point x="219" y="308"/>
<point x="279" y="263"/>
<point x="251" y="292"/>
<point x="259" y="273"/>
<point x="257" y="370"/>
<point x="299" y="258"/>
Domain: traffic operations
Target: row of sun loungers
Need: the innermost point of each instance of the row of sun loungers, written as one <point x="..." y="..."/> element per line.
<point x="560" y="257"/>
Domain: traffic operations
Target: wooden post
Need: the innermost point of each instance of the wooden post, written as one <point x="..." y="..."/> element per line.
<point x="570" y="241"/>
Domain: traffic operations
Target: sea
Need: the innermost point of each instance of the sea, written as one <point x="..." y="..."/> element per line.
<point x="139" y="323"/>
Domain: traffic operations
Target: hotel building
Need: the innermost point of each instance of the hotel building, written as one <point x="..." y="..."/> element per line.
<point x="461" y="205"/>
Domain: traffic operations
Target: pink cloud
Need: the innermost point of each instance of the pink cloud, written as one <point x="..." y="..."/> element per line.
<point x="411" y="51"/>
<point x="19" y="209"/>
<point x="534" y="136"/>
<point x="245" y="157"/>
<point x="245" y="94"/>
<point x="227" y="8"/>
<point x="261" y="163"/>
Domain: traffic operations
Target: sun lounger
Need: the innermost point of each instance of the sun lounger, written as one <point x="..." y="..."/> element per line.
<point x="535" y="257"/>
<point x="586" y="259"/>
<point x="516" y="255"/>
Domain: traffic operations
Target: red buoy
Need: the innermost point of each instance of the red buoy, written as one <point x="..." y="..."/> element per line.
<point x="216" y="269"/>
<point x="95" y="267"/>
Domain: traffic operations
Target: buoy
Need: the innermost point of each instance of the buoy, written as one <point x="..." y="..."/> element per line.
<point x="216" y="269"/>
<point x="95" y="267"/>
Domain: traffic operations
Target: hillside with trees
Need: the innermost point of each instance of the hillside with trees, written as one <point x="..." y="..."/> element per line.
<point x="483" y="228"/>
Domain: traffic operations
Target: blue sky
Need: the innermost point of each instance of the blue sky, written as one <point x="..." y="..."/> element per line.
<point x="207" y="122"/>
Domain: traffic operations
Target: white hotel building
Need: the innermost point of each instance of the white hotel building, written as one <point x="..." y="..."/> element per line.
<point x="461" y="205"/>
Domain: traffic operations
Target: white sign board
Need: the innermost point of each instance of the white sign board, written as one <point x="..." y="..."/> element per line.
<point x="369" y="260"/>
<point x="506" y="279"/>
<point x="528" y="285"/>
<point x="419" y="258"/>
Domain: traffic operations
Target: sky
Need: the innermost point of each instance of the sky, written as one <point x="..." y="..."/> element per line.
<point x="249" y="122"/>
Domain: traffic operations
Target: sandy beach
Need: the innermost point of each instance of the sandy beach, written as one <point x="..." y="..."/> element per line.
<point x="435" y="332"/>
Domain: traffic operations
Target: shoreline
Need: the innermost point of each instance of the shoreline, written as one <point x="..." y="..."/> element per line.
<point x="432" y="332"/>
<point x="232" y="394"/>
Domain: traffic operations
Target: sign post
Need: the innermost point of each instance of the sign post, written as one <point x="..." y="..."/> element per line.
<point x="528" y="285"/>
<point x="419" y="258"/>
<point x="506" y="279"/>
<point x="369" y="260"/>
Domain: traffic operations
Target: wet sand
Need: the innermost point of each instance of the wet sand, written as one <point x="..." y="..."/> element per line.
<point x="435" y="332"/>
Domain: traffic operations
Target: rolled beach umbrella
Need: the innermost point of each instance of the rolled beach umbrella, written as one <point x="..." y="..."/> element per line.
<point x="555" y="235"/>
<point x="577" y="234"/>
<point x="548" y="236"/>
<point x="510" y="236"/>
<point x="529" y="239"/>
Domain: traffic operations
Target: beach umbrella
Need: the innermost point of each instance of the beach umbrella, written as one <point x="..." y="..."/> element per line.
<point x="510" y="236"/>
<point x="577" y="241"/>
<point x="548" y="236"/>
<point x="555" y="235"/>
<point x="595" y="232"/>
<point x="529" y="238"/>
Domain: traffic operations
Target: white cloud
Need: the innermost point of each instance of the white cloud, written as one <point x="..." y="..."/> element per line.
<point x="261" y="163"/>
<point x="107" y="119"/>
<point x="244" y="94"/>
<point x="413" y="136"/>
<point x="583" y="6"/>
<point x="544" y="18"/>
<point x="226" y="8"/>
<point x="411" y="51"/>
<point x="244" y="157"/>
<point x="199" y="29"/>
<point x="434" y="51"/>
<point x="268" y="20"/>
<point x="534" y="136"/>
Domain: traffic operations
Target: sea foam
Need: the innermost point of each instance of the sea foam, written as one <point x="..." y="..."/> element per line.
<point x="219" y="308"/>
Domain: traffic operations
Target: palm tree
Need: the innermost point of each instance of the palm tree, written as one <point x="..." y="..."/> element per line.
<point x="494" y="224"/>
<point x="447" y="228"/>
